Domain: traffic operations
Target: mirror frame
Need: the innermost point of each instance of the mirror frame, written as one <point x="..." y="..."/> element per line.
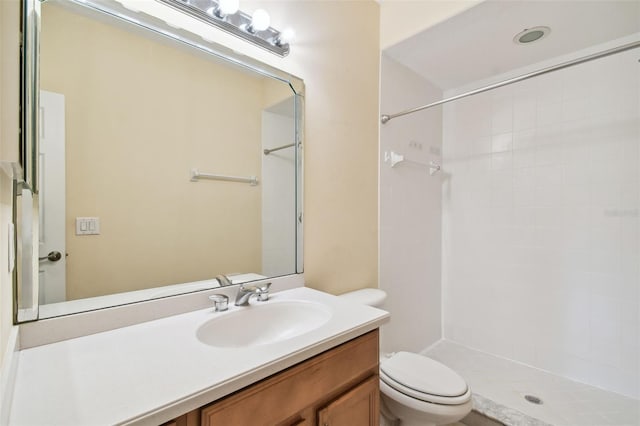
<point x="26" y="306"/>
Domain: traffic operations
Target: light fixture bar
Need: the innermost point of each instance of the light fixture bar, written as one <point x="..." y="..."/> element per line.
<point x="237" y="24"/>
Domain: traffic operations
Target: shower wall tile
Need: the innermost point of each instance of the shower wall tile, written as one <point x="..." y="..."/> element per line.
<point x="541" y="223"/>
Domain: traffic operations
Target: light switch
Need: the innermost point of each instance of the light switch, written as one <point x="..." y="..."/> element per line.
<point x="87" y="226"/>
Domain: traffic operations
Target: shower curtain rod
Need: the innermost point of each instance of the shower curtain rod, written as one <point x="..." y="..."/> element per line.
<point x="388" y="117"/>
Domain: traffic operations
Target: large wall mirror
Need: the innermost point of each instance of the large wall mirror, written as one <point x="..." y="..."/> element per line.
<point x="160" y="161"/>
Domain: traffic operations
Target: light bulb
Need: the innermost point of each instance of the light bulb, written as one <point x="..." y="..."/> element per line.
<point x="224" y="8"/>
<point x="260" y="20"/>
<point x="229" y="7"/>
<point x="132" y="6"/>
<point x="286" y="36"/>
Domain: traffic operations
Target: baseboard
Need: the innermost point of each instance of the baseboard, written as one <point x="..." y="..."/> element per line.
<point x="431" y="346"/>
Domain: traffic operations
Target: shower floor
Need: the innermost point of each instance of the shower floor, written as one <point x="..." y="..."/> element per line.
<point x="500" y="385"/>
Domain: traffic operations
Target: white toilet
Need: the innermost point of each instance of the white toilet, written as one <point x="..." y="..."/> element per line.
<point x="415" y="389"/>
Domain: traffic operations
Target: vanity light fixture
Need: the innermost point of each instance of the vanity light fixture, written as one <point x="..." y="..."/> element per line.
<point x="224" y="8"/>
<point x="225" y="15"/>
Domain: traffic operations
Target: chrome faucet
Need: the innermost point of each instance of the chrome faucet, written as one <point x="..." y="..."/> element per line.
<point x="223" y="280"/>
<point x="246" y="291"/>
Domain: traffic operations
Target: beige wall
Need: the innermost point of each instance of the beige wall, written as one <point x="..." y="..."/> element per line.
<point x="336" y="52"/>
<point x="401" y="19"/>
<point x="139" y="115"/>
<point x="9" y="90"/>
<point x="274" y="92"/>
<point x="339" y="62"/>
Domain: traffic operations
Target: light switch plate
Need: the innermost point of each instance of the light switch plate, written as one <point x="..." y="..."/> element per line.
<point x="87" y="226"/>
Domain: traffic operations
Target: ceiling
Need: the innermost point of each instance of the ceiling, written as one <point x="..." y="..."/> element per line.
<point x="478" y="43"/>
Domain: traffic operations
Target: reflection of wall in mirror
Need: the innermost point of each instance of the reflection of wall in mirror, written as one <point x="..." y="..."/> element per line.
<point x="136" y="178"/>
<point x="278" y="190"/>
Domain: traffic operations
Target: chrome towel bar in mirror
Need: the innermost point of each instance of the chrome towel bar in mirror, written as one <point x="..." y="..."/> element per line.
<point x="196" y="176"/>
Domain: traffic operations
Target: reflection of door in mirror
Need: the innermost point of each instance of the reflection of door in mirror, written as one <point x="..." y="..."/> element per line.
<point x="26" y="237"/>
<point x="51" y="270"/>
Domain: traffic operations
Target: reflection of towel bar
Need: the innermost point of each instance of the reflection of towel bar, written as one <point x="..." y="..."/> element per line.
<point x="196" y="175"/>
<point x="269" y="151"/>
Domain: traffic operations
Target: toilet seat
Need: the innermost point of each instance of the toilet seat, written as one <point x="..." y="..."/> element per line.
<point x="424" y="379"/>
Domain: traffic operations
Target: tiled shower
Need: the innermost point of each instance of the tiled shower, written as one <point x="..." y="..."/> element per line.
<point x="541" y="222"/>
<point x="526" y="245"/>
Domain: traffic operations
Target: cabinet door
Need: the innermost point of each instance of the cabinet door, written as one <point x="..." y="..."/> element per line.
<point x="293" y="396"/>
<point x="357" y="407"/>
<point x="190" y="419"/>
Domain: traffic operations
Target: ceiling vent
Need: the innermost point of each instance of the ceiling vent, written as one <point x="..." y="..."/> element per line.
<point x="530" y="35"/>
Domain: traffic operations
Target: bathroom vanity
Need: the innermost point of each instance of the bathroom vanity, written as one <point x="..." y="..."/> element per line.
<point x="337" y="387"/>
<point x="163" y="370"/>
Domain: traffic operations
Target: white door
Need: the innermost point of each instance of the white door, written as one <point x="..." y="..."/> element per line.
<point x="52" y="199"/>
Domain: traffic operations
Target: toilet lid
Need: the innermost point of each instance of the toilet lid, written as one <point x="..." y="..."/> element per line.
<point x="419" y="376"/>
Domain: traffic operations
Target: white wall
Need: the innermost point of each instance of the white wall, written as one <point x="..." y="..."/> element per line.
<point x="410" y="213"/>
<point x="541" y="223"/>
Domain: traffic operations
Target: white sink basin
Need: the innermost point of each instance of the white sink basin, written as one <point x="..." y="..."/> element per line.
<point x="262" y="324"/>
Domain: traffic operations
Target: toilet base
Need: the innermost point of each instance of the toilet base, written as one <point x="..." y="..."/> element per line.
<point x="407" y="416"/>
<point x="386" y="417"/>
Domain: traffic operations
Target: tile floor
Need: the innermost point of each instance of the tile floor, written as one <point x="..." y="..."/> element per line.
<point x="565" y="402"/>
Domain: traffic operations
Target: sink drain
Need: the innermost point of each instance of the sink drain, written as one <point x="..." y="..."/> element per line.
<point x="533" y="399"/>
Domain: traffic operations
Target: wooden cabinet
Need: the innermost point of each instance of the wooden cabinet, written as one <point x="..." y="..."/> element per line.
<point x="339" y="387"/>
<point x="359" y="406"/>
<point x="190" y="419"/>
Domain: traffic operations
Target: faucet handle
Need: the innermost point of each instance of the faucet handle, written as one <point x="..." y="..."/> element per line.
<point x="223" y="280"/>
<point x="263" y="292"/>
<point x="220" y="302"/>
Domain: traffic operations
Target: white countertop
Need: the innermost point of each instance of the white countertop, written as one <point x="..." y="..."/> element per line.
<point x="154" y="371"/>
